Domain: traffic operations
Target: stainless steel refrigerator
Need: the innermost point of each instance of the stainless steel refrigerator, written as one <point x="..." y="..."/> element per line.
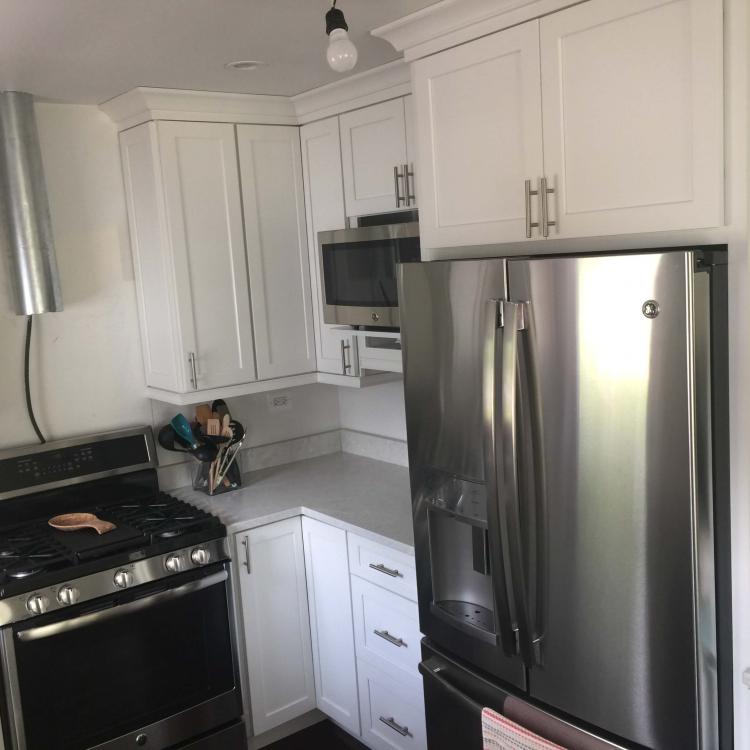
<point x="567" y="428"/>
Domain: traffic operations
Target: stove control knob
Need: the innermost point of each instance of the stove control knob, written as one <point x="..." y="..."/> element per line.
<point x="123" y="579"/>
<point x="67" y="595"/>
<point x="200" y="556"/>
<point x="173" y="563"/>
<point x="36" y="604"/>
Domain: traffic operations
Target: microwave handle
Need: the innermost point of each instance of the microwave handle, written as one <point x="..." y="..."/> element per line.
<point x="65" y="626"/>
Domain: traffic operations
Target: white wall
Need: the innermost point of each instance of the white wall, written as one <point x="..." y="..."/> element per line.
<point x="378" y="409"/>
<point x="87" y="373"/>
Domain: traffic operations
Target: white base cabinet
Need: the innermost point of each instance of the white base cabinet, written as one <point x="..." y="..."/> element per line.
<point x="329" y="596"/>
<point x="275" y="623"/>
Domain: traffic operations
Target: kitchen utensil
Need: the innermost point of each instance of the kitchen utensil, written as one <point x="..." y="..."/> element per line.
<point x="213" y="427"/>
<point x="202" y="415"/>
<point x="171" y="441"/>
<point x="78" y="521"/>
<point x="182" y="428"/>
<point x="219" y="407"/>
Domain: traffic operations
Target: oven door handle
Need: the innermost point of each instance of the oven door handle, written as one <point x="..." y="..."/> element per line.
<point x="65" y="626"/>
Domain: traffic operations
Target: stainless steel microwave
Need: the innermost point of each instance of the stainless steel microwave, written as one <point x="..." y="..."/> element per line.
<point x="358" y="271"/>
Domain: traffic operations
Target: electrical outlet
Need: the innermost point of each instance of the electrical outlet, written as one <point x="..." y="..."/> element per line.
<point x="279" y="402"/>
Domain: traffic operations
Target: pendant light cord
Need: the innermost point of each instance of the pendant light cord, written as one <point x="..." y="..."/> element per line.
<point x="29" y="407"/>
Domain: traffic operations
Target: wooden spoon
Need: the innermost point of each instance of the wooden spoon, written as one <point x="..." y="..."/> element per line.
<point x="77" y="521"/>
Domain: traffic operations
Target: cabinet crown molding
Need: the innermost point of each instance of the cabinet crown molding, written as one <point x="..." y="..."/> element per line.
<point x="452" y="22"/>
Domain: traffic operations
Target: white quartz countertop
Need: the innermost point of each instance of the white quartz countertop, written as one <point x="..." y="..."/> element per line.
<point x="368" y="497"/>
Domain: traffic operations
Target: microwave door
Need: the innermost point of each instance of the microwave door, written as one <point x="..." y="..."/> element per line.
<point x="451" y="343"/>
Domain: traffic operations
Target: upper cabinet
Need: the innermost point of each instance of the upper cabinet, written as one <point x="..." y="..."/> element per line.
<point x="604" y="118"/>
<point x="277" y="260"/>
<point x="198" y="261"/>
<point x="378" y="169"/>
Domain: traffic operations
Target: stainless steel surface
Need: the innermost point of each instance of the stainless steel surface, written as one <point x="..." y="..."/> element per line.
<point x="395" y="726"/>
<point x="173" y="563"/>
<point x="344" y="348"/>
<point x="193" y="370"/>
<point x="25" y="210"/>
<point x="68" y="595"/>
<point x="37" y="604"/>
<point x="451" y="315"/>
<point x="121" y="610"/>
<point x="14" y="609"/>
<point x="396" y="177"/>
<point x="618" y="445"/>
<point x="392" y="572"/>
<point x="124" y="578"/>
<point x="28" y="450"/>
<point x="388" y="317"/>
<point x="246" y="545"/>
<point x="544" y="192"/>
<point x="200" y="556"/>
<point x="386" y="636"/>
<point x="528" y="192"/>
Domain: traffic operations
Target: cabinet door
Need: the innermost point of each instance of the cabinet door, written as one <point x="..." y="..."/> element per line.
<point x="275" y="621"/>
<point x="410" y="116"/>
<point x="479" y="137"/>
<point x="373" y="143"/>
<point x="204" y="220"/>
<point x="633" y="115"/>
<point x="277" y="258"/>
<point x="324" y="203"/>
<point x="331" y="623"/>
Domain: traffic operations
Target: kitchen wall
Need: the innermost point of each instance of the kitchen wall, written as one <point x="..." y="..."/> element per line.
<point x="378" y="410"/>
<point x="86" y="361"/>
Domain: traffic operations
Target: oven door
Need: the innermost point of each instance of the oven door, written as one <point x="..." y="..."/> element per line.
<point x="150" y="667"/>
<point x="359" y="272"/>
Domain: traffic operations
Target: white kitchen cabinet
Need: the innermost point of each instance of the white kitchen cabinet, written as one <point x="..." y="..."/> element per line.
<point x="479" y="138"/>
<point x="633" y="129"/>
<point x="324" y="204"/>
<point x="331" y="626"/>
<point x="183" y="196"/>
<point x="373" y="145"/>
<point x="617" y="105"/>
<point x="277" y="255"/>
<point x="275" y="622"/>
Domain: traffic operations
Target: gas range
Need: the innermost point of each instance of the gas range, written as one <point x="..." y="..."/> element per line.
<point x="119" y="639"/>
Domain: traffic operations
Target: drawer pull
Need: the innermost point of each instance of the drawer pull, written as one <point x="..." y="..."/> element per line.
<point x="386" y="636"/>
<point x="388" y="571"/>
<point x="390" y="722"/>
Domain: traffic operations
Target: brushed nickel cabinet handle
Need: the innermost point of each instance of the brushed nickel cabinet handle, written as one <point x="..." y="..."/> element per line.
<point x="396" y="177"/>
<point x="386" y="636"/>
<point x="392" y="572"/>
<point x="344" y="365"/>
<point x="246" y="545"/>
<point x="528" y="192"/>
<point x="410" y="198"/>
<point x="544" y="192"/>
<point x="391" y="723"/>
<point x="193" y="371"/>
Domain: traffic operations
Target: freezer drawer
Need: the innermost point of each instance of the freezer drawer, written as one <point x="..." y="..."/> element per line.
<point x="454" y="698"/>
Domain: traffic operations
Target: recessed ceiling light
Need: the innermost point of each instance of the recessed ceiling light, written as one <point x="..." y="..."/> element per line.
<point x="245" y="64"/>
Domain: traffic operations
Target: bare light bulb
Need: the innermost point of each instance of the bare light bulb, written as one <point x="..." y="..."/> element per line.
<point x="341" y="53"/>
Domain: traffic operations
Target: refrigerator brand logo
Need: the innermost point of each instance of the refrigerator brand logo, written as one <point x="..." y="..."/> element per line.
<point x="650" y="308"/>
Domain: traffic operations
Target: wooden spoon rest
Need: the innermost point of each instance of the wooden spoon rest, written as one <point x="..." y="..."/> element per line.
<point x="77" y="521"/>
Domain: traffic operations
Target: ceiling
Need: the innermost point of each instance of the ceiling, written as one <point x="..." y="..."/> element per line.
<point x="88" y="51"/>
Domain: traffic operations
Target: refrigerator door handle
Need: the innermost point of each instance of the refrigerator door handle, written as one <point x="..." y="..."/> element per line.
<point x="497" y="532"/>
<point x="431" y="669"/>
<point x="514" y="320"/>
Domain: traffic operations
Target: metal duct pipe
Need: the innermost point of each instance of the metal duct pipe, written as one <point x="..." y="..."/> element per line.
<point x="25" y="215"/>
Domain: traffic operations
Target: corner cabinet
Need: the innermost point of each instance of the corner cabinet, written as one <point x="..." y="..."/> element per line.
<point x="198" y="261"/>
<point x="618" y="106"/>
<point x="274" y="621"/>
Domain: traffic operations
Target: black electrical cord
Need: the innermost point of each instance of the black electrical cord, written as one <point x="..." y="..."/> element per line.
<point x="29" y="407"/>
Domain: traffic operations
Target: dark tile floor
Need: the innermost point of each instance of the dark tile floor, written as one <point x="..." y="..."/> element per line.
<point x="321" y="736"/>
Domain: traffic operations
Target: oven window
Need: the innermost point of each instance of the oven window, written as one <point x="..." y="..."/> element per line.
<point x="363" y="274"/>
<point x="96" y="682"/>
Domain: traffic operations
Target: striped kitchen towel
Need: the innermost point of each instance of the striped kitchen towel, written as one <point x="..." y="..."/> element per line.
<point x="499" y="733"/>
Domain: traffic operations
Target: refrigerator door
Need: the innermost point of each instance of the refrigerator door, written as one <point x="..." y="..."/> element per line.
<point x="609" y="551"/>
<point x="451" y="335"/>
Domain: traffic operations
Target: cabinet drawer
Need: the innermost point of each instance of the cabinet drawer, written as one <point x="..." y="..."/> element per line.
<point x="386" y="627"/>
<point x="392" y="710"/>
<point x="382" y="565"/>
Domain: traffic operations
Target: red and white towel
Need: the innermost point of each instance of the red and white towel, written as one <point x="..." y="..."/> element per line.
<point x="499" y="733"/>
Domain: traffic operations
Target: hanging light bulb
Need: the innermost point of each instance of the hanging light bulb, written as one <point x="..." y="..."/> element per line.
<point x="341" y="53"/>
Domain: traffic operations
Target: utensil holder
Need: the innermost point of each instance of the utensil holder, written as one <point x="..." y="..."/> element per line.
<point x="200" y="479"/>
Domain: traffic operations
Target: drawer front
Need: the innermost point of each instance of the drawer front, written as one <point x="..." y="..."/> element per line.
<point x="382" y="565"/>
<point x="392" y="710"/>
<point x="386" y="628"/>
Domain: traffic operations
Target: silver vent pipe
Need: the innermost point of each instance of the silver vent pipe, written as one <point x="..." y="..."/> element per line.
<point x="24" y="209"/>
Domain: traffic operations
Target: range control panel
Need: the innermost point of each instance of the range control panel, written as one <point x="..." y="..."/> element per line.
<point x="68" y="460"/>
